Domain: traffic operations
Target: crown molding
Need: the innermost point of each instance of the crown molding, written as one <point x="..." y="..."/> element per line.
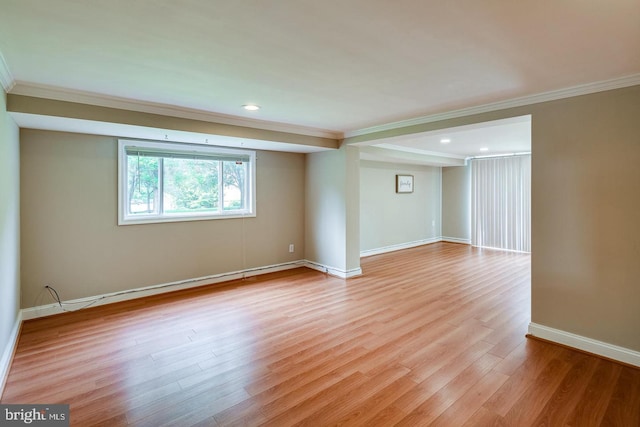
<point x="70" y="95"/>
<point x="6" y="78"/>
<point x="61" y="94"/>
<point x="569" y="92"/>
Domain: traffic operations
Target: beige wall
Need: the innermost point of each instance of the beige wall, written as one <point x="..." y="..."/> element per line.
<point x="586" y="216"/>
<point x="71" y="240"/>
<point x="388" y="218"/>
<point x="353" y="208"/>
<point x="456" y="203"/>
<point x="9" y="231"/>
<point x="325" y="207"/>
<point x="332" y="211"/>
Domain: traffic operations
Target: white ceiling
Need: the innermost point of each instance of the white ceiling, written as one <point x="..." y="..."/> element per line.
<point x="331" y="65"/>
<point x="498" y="137"/>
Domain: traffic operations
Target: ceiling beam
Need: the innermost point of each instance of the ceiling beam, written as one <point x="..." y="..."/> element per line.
<point x="79" y="111"/>
<point x="397" y="156"/>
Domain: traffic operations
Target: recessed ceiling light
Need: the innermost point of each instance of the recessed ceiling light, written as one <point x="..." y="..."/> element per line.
<point x="251" y="107"/>
<point x="445" y="140"/>
<point x="484" y="149"/>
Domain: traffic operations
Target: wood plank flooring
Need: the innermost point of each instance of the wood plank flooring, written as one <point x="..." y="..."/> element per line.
<point x="433" y="335"/>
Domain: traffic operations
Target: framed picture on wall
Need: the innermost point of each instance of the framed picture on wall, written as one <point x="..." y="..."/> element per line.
<point x="404" y="183"/>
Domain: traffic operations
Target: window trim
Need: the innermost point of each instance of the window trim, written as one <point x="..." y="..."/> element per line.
<point x="183" y="148"/>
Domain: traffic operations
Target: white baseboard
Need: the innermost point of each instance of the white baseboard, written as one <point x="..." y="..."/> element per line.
<point x="502" y="249"/>
<point x="9" y="350"/>
<point x="399" y="246"/>
<point x="49" y="309"/>
<point x="456" y="240"/>
<point x="589" y="345"/>
<point x="338" y="272"/>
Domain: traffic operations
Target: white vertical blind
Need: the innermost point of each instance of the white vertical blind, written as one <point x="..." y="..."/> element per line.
<point x="501" y="203"/>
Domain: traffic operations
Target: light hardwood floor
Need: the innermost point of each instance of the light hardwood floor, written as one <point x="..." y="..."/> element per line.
<point x="433" y="335"/>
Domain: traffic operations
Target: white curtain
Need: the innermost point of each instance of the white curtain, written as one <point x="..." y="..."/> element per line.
<point x="501" y="203"/>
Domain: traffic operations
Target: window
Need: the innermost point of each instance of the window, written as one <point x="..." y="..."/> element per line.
<point x="161" y="182"/>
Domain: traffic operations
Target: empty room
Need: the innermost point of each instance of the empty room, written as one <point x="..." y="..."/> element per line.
<point x="308" y="213"/>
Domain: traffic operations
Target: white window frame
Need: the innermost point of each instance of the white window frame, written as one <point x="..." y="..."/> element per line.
<point x="124" y="218"/>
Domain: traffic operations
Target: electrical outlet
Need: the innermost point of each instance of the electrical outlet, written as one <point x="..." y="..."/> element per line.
<point x="291" y="248"/>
